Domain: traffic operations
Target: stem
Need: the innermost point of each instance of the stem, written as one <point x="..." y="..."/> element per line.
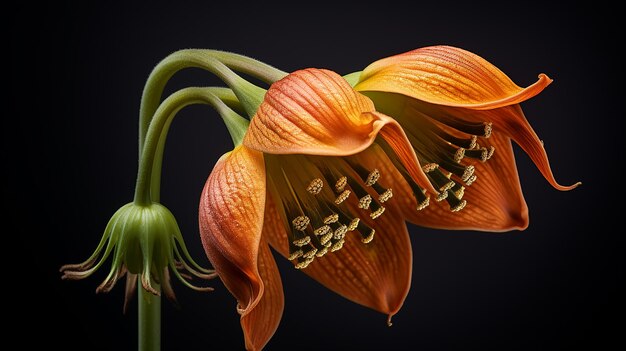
<point x="149" y="320"/>
<point x="204" y="59"/>
<point x="157" y="133"/>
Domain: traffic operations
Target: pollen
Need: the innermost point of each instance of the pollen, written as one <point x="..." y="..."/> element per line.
<point x="469" y="171"/>
<point x="388" y="194"/>
<point x="459" y="154"/>
<point x="353" y="224"/>
<point x="369" y="237"/>
<point x="303" y="241"/>
<point x="471" y="180"/>
<point x="340" y="232"/>
<point x="322" y="230"/>
<point x="321" y="252"/>
<point x="301" y="222"/>
<point x="341" y="184"/>
<point x="422" y="205"/>
<point x="442" y="196"/>
<point x="295" y="254"/>
<point x="378" y="212"/>
<point x="429" y="167"/>
<point x="373" y="177"/>
<point x="310" y="254"/>
<point x="492" y="149"/>
<point x="473" y="141"/>
<point x="342" y="197"/>
<point x="324" y="239"/>
<point x="337" y="246"/>
<point x="488" y="129"/>
<point x="459" y="206"/>
<point x="315" y="186"/>
<point x="331" y="218"/>
<point x="365" y="202"/>
<point x="304" y="264"/>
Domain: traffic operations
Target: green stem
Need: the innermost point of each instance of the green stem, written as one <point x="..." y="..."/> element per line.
<point x="204" y="59"/>
<point x="149" y="321"/>
<point x="152" y="153"/>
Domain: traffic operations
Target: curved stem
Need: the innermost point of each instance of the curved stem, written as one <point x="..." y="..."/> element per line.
<point x="149" y="321"/>
<point x="204" y="59"/>
<point x="152" y="153"/>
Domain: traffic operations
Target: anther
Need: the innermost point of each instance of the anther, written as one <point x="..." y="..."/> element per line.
<point x="301" y="222"/>
<point x="315" y="186"/>
<point x="337" y="246"/>
<point x="459" y="154"/>
<point x="492" y="149"/>
<point x="422" y="205"/>
<point x="331" y="218"/>
<point x="379" y="211"/>
<point x="365" y="202"/>
<point x="322" y="230"/>
<point x="341" y="184"/>
<point x="342" y="197"/>
<point x="295" y="254"/>
<point x="302" y="241"/>
<point x="304" y="264"/>
<point x="369" y="237"/>
<point x="469" y="171"/>
<point x="459" y="206"/>
<point x="471" y="180"/>
<point x="309" y="254"/>
<point x="442" y="196"/>
<point x="340" y="232"/>
<point x="388" y="194"/>
<point x="372" y="177"/>
<point x="488" y="129"/>
<point x="353" y="224"/>
<point x="324" y="239"/>
<point x="321" y="252"/>
<point x="429" y="167"/>
<point x="458" y="190"/>
<point x="473" y="141"/>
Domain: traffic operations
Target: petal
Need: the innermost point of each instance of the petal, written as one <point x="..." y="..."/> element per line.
<point x="231" y="218"/>
<point x="376" y="275"/>
<point x="494" y="202"/>
<point x="261" y="322"/>
<point x="447" y="76"/>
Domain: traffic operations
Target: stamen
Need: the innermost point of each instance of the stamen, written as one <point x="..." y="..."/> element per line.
<point x="331" y="219"/>
<point x="342" y="197"/>
<point x="324" y="239"/>
<point x="315" y="186"/>
<point x="488" y="129"/>
<point x="338" y="245"/>
<point x="492" y="149"/>
<point x="301" y="222"/>
<point x="423" y="204"/>
<point x="354" y="224"/>
<point x="373" y="177"/>
<point x="304" y="264"/>
<point x="471" y="180"/>
<point x="469" y="171"/>
<point x="340" y="232"/>
<point x="341" y="184"/>
<point x="322" y="230"/>
<point x="295" y="254"/>
<point x="459" y="154"/>
<point x="309" y="254"/>
<point x="441" y="196"/>
<point x="321" y="252"/>
<point x="440" y="180"/>
<point x="369" y="237"/>
<point x="365" y="202"/>
<point x="429" y="167"/>
<point x="472" y="143"/>
<point x="458" y="190"/>
<point x="379" y="211"/>
<point x="479" y="154"/>
<point x="460" y="206"/>
<point x="456" y="204"/>
<point x="388" y="194"/>
<point x="302" y="241"/>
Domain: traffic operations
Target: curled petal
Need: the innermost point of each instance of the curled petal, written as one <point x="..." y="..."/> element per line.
<point x="231" y="219"/>
<point x="376" y="275"/>
<point x="447" y="76"/>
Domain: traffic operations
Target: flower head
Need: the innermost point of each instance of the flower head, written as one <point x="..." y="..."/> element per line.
<point x="300" y="183"/>
<point x="460" y="113"/>
<point x="145" y="241"/>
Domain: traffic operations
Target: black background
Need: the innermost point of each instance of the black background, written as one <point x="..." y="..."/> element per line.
<point x="69" y="146"/>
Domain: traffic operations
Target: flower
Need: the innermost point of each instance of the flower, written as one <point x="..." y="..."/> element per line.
<point x="145" y="241"/>
<point x="298" y="183"/>
<point x="457" y="110"/>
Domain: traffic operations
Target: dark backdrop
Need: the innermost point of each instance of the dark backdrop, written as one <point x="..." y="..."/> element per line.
<point x="70" y="151"/>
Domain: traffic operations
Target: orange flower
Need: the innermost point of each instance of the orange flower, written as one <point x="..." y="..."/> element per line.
<point x="457" y="109"/>
<point x="299" y="183"/>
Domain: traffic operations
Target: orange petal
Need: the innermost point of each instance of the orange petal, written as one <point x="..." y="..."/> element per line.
<point x="261" y="322"/>
<point x="447" y="76"/>
<point x="376" y="275"/>
<point x="312" y="111"/>
<point x="231" y="218"/>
